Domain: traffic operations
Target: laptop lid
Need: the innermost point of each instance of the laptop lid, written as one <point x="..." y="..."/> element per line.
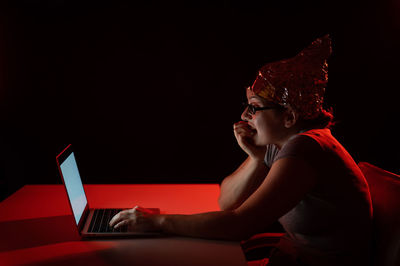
<point x="77" y="198"/>
<point x="73" y="184"/>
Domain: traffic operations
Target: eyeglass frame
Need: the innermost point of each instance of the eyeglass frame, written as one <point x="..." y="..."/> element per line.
<point x="253" y="109"/>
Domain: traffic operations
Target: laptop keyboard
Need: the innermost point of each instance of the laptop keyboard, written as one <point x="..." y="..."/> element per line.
<point x="101" y="219"/>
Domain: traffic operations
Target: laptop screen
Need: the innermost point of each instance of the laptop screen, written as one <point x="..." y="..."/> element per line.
<point x="74" y="186"/>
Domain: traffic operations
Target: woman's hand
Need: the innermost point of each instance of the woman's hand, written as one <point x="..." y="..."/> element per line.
<point x="137" y="219"/>
<point x="245" y="137"/>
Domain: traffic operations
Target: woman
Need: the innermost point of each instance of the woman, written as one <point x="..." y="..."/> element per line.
<point x="296" y="172"/>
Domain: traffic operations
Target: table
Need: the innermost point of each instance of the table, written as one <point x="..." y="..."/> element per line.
<point x="37" y="227"/>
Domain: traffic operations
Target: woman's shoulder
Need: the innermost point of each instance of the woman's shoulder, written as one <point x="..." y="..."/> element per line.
<point x="307" y="144"/>
<point x="306" y="140"/>
<point x="317" y="133"/>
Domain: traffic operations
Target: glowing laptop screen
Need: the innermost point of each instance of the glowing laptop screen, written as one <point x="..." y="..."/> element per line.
<point x="74" y="186"/>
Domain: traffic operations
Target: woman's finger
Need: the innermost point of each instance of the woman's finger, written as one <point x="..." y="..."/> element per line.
<point x="244" y="134"/>
<point x="240" y="125"/>
<point x="118" y="217"/>
<point x="115" y="219"/>
<point x="243" y="127"/>
<point x="122" y="223"/>
<point x="244" y="131"/>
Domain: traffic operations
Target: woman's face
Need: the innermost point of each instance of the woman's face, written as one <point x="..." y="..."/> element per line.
<point x="267" y="125"/>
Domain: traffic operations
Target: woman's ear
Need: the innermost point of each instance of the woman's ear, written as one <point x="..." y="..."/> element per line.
<point x="291" y="117"/>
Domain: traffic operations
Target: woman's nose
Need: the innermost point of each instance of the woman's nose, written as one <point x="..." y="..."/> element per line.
<point x="245" y="115"/>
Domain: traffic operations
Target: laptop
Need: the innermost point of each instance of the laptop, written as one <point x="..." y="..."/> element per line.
<point x="90" y="222"/>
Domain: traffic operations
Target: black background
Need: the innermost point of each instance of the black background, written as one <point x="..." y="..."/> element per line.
<point x="147" y="91"/>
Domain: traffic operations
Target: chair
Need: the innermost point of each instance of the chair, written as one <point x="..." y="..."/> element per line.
<point x="385" y="193"/>
<point x="259" y="245"/>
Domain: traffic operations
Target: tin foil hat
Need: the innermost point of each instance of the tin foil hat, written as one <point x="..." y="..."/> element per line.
<point x="299" y="81"/>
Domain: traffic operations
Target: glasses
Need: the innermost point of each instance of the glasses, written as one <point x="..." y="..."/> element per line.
<point x="253" y="109"/>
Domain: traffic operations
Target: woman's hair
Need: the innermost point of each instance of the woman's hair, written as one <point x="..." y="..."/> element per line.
<point x="324" y="120"/>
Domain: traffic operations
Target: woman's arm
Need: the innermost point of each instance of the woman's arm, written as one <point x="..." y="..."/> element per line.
<point x="237" y="187"/>
<point x="286" y="185"/>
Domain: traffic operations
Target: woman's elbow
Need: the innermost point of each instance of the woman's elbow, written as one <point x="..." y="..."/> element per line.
<point x="242" y="227"/>
<point x="226" y="205"/>
<point x="222" y="204"/>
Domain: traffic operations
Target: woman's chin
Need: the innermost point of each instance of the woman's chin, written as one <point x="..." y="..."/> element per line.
<point x="258" y="141"/>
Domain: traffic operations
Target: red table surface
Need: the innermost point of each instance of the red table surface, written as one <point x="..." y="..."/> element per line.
<point x="35" y="201"/>
<point x="37" y="226"/>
